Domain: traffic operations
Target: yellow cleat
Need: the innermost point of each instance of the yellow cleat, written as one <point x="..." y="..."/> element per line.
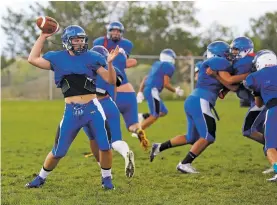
<point x="142" y="138"/>
<point x="88" y="155"/>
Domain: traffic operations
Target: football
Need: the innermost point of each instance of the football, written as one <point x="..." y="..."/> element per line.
<point x="47" y="24"/>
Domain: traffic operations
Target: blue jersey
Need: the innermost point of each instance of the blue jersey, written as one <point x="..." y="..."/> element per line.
<point x="264" y="82"/>
<point x="242" y="66"/>
<point x="208" y="87"/>
<point x="105" y="86"/>
<point x="62" y="63"/>
<point x="155" y="78"/>
<point x="110" y="44"/>
<point x="120" y="61"/>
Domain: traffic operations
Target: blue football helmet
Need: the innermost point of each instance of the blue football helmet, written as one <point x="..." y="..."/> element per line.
<point x="115" y="25"/>
<point x="243" y="45"/>
<point x="101" y="50"/>
<point x="168" y="55"/>
<point x="218" y="49"/>
<point x="74" y="31"/>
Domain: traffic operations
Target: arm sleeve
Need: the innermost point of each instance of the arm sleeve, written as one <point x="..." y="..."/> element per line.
<point x="128" y="46"/>
<point x="168" y="69"/>
<point x="49" y="56"/>
<point x="97" y="62"/>
<point x="219" y="64"/>
<point x="252" y="83"/>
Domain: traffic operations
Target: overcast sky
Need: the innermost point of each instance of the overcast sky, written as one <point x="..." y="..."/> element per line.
<point x="234" y="14"/>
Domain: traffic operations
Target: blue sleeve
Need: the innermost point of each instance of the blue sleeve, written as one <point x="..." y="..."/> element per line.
<point x="118" y="72"/>
<point x="252" y="83"/>
<point x="246" y="66"/>
<point x="219" y="64"/>
<point x="98" y="42"/>
<point x="127" y="46"/>
<point x="96" y="61"/>
<point x="168" y="69"/>
<point x="50" y="56"/>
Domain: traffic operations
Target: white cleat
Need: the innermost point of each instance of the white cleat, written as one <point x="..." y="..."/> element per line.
<point x="140" y="117"/>
<point x="130" y="164"/>
<point x="268" y="171"/>
<point x="134" y="135"/>
<point x="273" y="179"/>
<point x="186" y="168"/>
<point x="154" y="151"/>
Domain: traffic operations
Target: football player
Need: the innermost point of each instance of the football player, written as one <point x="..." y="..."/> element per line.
<point x="152" y="85"/>
<point x="264" y="85"/>
<point x="201" y="122"/>
<point x="126" y="96"/>
<point x="74" y="68"/>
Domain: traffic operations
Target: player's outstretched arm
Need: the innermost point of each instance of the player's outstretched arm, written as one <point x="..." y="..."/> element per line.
<point x="231" y="79"/>
<point x="35" y="58"/>
<point x="141" y="86"/>
<point x="216" y="75"/>
<point x="167" y="84"/>
<point x="169" y="87"/>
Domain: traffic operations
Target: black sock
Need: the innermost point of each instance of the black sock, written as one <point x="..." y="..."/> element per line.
<point x="165" y="145"/>
<point x="105" y="168"/>
<point x="47" y="170"/>
<point x="145" y="115"/>
<point x="189" y="158"/>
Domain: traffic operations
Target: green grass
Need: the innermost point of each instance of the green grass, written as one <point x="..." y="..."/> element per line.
<point x="230" y="169"/>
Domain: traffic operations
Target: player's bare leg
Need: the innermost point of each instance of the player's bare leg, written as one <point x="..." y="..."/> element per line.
<point x="51" y="161"/>
<point x="272" y="158"/>
<point x="105" y="157"/>
<point x="95" y="150"/>
<point x="49" y="164"/>
<point x="149" y="121"/>
<point x="258" y="137"/>
<point x="197" y="148"/>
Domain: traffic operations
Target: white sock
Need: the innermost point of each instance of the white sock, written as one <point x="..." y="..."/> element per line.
<point x="43" y="174"/>
<point x="121" y="147"/>
<point x="106" y="173"/>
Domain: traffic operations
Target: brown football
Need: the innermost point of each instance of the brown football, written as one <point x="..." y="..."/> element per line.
<point x="47" y="24"/>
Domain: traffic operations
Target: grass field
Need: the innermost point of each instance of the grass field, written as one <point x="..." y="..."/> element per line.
<point x="230" y="169"/>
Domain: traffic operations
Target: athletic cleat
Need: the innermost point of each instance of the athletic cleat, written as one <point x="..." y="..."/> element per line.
<point x="268" y="171"/>
<point x="107" y="183"/>
<point x="130" y="164"/>
<point x="134" y="135"/>
<point x="273" y="179"/>
<point x="142" y="138"/>
<point x="154" y="151"/>
<point x="186" y="168"/>
<point x="140" y="117"/>
<point x="36" y="183"/>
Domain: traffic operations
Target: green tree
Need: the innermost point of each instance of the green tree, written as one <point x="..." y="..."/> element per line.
<point x="153" y="26"/>
<point x="263" y="31"/>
